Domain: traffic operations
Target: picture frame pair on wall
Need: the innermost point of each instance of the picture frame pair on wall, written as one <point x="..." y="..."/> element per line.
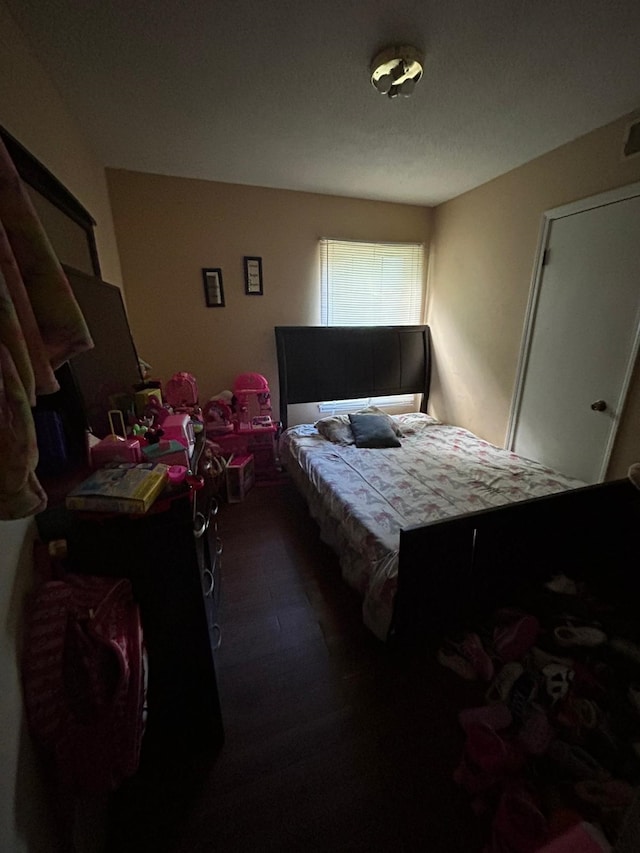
<point x="214" y="288"/>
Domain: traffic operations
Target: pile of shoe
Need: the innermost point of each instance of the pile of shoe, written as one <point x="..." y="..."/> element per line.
<point x="552" y="756"/>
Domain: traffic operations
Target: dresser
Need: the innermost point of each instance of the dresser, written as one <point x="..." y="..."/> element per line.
<point x="173" y="569"/>
<point x="172" y="557"/>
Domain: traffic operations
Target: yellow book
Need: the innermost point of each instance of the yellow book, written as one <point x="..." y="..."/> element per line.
<point x="124" y="488"/>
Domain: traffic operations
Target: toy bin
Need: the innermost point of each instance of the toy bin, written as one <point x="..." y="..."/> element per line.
<point x="240" y="477"/>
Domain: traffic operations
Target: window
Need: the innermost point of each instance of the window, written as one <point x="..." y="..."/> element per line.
<point x="371" y="284"/>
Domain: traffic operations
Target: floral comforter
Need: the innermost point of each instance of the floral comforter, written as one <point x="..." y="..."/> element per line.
<point x="362" y="498"/>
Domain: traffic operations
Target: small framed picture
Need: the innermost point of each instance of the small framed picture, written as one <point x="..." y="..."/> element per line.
<point x="253" y="276"/>
<point x="213" y="290"/>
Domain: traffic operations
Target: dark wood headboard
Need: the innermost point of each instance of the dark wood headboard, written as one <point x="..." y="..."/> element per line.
<point x="317" y="363"/>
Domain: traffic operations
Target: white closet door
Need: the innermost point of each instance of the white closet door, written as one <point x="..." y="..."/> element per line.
<point x="582" y="341"/>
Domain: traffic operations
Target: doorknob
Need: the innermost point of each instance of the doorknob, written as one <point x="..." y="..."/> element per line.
<point x="599" y="406"/>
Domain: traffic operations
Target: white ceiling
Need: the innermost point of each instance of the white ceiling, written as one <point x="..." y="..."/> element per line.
<point x="276" y="93"/>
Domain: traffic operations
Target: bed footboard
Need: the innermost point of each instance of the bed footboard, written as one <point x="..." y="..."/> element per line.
<point x="451" y="571"/>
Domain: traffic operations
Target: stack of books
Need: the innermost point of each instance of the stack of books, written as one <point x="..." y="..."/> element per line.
<point x="125" y="488"/>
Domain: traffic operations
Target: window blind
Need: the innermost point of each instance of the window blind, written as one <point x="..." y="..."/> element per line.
<point x="371" y="284"/>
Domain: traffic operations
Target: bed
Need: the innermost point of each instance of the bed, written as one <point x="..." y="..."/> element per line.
<point x="444" y="525"/>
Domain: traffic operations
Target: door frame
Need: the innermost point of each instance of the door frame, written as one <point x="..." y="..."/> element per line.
<point x="548" y="217"/>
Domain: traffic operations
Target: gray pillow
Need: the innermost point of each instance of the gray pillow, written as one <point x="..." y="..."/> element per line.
<point x="373" y="431"/>
<point x="337" y="428"/>
<point x="374" y="410"/>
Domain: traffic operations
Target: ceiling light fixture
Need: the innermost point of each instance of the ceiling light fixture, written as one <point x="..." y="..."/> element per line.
<point x="396" y="70"/>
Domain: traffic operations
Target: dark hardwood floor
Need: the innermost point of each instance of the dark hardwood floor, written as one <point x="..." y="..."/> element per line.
<point x="333" y="741"/>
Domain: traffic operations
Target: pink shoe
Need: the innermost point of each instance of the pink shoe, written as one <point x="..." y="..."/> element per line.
<point x="487" y="750"/>
<point x="580" y="838"/>
<point x="501" y="687"/>
<point x="518" y="825"/>
<point x="512" y="641"/>
<point x="579" y="715"/>
<point x="496" y="717"/>
<point x="536" y="733"/>
<point x="582" y="635"/>
<point x="460" y="665"/>
<point x="607" y="794"/>
<point x="576" y="761"/>
<point x="471" y="649"/>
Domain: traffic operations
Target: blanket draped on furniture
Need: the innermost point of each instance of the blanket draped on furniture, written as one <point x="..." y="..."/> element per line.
<point x="41" y="327"/>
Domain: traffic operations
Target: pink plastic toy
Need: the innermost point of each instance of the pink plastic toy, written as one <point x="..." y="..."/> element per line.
<point x="181" y="391"/>
<point x="114" y="448"/>
<point x="217" y="417"/>
<point x="253" y="401"/>
<point x="180" y="428"/>
<point x="177" y="474"/>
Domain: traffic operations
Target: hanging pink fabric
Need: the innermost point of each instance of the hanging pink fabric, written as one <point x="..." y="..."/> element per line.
<point x="41" y="327"/>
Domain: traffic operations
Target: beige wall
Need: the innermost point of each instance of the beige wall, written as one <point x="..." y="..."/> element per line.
<point x="484" y="245"/>
<point x="32" y="111"/>
<point x="168" y="229"/>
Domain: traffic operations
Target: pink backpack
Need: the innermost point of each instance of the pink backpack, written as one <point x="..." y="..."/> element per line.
<point x="84" y="679"/>
<point x="181" y="391"/>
